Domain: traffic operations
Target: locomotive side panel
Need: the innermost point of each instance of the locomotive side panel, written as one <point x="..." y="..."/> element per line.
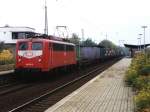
<point x="58" y="55"/>
<point x="46" y="57"/>
<point x="61" y="54"/>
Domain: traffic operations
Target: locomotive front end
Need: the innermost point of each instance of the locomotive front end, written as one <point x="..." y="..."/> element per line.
<point x="29" y="56"/>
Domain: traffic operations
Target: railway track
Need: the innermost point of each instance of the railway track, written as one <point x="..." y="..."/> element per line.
<point x="13" y="88"/>
<point x="12" y="85"/>
<point x="41" y="103"/>
<point x="6" y="79"/>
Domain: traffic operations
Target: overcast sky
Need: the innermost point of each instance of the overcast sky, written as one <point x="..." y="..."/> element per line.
<point x="119" y="19"/>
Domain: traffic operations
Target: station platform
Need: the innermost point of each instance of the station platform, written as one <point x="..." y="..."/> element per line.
<point x="105" y="93"/>
<point x="6" y="72"/>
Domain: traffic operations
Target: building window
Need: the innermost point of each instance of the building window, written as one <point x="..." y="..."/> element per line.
<point x="22" y="35"/>
<point x="14" y="35"/>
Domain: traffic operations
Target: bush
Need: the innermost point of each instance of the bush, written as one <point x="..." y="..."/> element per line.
<point x="6" y="57"/>
<point x="145" y="70"/>
<point x="143" y="100"/>
<point x="138" y="76"/>
<point x="131" y="76"/>
<point x="142" y="82"/>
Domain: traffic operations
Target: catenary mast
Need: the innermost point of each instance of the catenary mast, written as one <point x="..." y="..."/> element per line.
<point x="46" y="20"/>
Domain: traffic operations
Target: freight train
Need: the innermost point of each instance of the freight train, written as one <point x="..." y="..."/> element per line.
<point x="39" y="54"/>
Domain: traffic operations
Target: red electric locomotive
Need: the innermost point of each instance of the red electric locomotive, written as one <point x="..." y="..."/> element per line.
<point x="44" y="54"/>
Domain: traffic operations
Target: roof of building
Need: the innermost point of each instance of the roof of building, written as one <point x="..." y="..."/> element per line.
<point x="136" y="46"/>
<point x="7" y="26"/>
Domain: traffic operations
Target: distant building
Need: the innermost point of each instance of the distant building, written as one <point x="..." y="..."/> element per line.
<point x="9" y="35"/>
<point x="135" y="48"/>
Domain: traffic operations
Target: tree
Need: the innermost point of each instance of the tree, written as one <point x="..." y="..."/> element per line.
<point x="74" y="39"/>
<point x="107" y="44"/>
<point x="88" y="42"/>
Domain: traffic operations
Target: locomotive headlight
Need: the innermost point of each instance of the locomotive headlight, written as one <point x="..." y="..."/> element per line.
<point x="19" y="60"/>
<point x="39" y="60"/>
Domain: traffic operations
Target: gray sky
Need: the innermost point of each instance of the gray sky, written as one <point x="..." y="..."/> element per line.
<point x="120" y="19"/>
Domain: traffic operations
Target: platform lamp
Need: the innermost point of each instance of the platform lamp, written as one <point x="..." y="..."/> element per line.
<point x="144" y="36"/>
<point x="140" y="37"/>
<point x="139" y="40"/>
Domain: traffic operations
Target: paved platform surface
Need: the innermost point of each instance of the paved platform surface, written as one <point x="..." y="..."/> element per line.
<point x="6" y="72"/>
<point x="105" y="93"/>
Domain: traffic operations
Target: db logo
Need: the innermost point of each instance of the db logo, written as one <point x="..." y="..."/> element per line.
<point x="28" y="54"/>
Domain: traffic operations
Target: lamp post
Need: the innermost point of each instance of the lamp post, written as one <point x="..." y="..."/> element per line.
<point x="144" y="36"/>
<point x="140" y="37"/>
<point x="139" y="43"/>
<point x="121" y="42"/>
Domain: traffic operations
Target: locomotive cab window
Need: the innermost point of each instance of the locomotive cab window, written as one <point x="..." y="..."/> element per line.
<point x="36" y="46"/>
<point x="23" y="46"/>
<point x="69" y="48"/>
<point x="58" y="47"/>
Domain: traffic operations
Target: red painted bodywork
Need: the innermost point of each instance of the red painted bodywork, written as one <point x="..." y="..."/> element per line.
<point x="50" y="59"/>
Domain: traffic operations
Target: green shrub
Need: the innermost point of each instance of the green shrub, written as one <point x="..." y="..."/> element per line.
<point x="131" y="76"/>
<point x="138" y="76"/>
<point x="142" y="82"/>
<point x="11" y="61"/>
<point x="145" y="70"/>
<point x="143" y="100"/>
<point x="6" y="57"/>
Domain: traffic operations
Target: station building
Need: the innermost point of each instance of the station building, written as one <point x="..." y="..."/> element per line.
<point x="9" y="35"/>
<point x="135" y="48"/>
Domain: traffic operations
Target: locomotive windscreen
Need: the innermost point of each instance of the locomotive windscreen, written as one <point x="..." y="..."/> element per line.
<point x="23" y="46"/>
<point x="36" y="46"/>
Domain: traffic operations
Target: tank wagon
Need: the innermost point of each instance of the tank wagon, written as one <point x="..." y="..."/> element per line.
<point x="38" y="54"/>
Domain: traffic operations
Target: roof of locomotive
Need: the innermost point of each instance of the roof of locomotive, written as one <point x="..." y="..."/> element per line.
<point x="41" y="39"/>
